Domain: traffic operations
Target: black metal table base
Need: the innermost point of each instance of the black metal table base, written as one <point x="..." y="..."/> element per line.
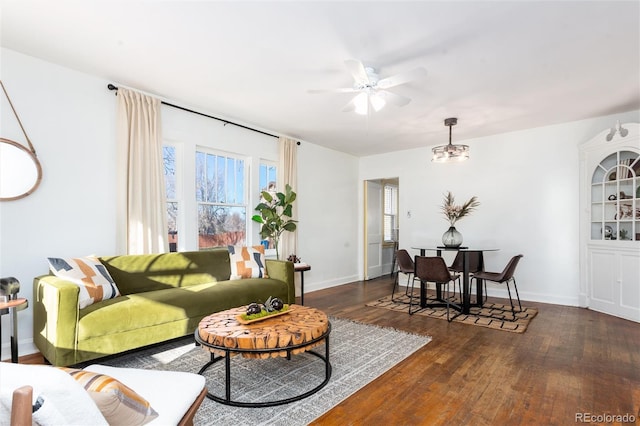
<point x="227" y="362"/>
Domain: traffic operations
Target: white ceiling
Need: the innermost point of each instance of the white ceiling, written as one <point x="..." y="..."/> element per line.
<point x="497" y="66"/>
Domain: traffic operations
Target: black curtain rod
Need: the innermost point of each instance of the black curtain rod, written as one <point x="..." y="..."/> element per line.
<point x="112" y="87"/>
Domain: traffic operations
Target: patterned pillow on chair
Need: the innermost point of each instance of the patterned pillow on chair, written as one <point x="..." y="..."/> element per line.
<point x="247" y="262"/>
<point x="119" y="404"/>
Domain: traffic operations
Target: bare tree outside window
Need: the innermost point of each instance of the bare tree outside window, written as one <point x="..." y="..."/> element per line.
<point x="169" y="161"/>
<point x="222" y="217"/>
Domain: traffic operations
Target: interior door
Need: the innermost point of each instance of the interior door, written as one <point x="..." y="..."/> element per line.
<point x="373" y="230"/>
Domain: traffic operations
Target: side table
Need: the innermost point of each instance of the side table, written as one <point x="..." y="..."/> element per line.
<point x="12" y="307"/>
<point x="301" y="267"/>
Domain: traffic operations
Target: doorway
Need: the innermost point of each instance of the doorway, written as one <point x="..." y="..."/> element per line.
<point x="381" y="227"/>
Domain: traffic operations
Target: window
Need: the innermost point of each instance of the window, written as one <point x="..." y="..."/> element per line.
<point x="170" y="176"/>
<point x="221" y="200"/>
<point x="268" y="182"/>
<point x="268" y="177"/>
<point x="390" y="213"/>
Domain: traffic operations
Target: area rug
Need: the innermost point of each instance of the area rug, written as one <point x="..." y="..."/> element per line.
<point x="359" y="353"/>
<point x="491" y="315"/>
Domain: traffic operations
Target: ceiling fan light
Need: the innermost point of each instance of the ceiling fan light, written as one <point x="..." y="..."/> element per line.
<point x="361" y="103"/>
<point x="377" y="101"/>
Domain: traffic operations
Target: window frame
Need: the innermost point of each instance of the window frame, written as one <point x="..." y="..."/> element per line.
<point x="178" y="190"/>
<point x="246" y="189"/>
<point x="394" y="215"/>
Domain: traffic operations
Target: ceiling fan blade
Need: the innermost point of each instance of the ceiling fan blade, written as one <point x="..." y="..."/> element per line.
<point x="342" y="90"/>
<point x="357" y="70"/>
<point x="402" y="78"/>
<point x="393" y="98"/>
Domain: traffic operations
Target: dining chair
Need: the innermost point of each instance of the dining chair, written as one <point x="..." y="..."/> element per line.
<point x="435" y="270"/>
<point x="406" y="266"/>
<point x="504" y="277"/>
<point x="475" y="265"/>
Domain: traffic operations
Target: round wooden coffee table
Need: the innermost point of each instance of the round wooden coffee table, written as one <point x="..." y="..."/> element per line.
<point x="299" y="330"/>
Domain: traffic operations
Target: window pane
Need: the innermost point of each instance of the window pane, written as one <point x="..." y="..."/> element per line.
<point x="201" y="170"/>
<point x="172" y="221"/>
<point x="220" y="195"/>
<point x="231" y="181"/>
<point x="220" y="226"/>
<point x="240" y="196"/>
<point x="390" y="208"/>
<point x="267" y="177"/>
<point x="169" y="159"/>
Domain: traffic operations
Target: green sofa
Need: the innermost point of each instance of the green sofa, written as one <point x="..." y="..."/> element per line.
<point x="163" y="296"/>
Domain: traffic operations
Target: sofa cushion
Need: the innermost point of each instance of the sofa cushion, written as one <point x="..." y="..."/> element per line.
<point x="247" y="262"/>
<point x="145" y="311"/>
<point x="89" y="274"/>
<point x="118" y="403"/>
<point x="147" y="272"/>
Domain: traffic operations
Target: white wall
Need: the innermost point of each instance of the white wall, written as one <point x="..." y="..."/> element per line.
<point x="527" y="184"/>
<point x="328" y="233"/>
<point x="70" y="118"/>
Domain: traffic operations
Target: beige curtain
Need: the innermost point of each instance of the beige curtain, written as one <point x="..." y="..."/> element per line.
<point x="288" y="174"/>
<point x="143" y="228"/>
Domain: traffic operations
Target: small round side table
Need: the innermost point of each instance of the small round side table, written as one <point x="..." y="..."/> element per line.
<point x="12" y="307"/>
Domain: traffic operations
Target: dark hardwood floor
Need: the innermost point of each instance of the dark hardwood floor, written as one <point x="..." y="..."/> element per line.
<point x="569" y="361"/>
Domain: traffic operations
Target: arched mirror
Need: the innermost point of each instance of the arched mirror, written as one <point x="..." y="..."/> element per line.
<point x="20" y="171"/>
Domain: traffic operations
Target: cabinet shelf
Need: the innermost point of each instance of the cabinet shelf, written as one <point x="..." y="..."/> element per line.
<point x="615" y="207"/>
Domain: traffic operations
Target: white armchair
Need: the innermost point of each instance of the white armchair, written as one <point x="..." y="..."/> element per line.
<point x="175" y="396"/>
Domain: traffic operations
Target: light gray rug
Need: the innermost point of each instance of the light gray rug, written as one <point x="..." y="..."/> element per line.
<point x="359" y="353"/>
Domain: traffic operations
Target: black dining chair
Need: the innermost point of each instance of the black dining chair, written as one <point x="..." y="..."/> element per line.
<point x="504" y="277"/>
<point x="475" y="265"/>
<point x="405" y="265"/>
<point x="434" y="270"/>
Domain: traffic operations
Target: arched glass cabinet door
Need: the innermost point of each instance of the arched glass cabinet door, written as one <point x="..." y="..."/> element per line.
<point x="615" y="198"/>
<point x="20" y="171"/>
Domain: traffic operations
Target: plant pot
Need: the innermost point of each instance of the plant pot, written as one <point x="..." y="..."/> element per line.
<point x="452" y="238"/>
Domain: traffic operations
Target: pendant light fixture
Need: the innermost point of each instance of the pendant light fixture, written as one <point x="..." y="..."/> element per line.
<point x="450" y="153"/>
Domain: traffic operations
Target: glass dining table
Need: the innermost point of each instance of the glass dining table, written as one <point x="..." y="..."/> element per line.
<point x="466" y="305"/>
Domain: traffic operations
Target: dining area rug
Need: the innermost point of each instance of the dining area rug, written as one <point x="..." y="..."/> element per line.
<point x="491" y="315"/>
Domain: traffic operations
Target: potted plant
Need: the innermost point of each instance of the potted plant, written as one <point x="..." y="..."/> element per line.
<point x="275" y="215"/>
<point x="452" y="237"/>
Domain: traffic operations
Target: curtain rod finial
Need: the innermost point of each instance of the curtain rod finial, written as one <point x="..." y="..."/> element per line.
<point x="111" y="87"/>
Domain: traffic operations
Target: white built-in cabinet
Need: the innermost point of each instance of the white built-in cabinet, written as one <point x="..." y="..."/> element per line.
<point x="610" y="222"/>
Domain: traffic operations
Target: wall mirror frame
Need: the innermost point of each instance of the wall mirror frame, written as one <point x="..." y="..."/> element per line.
<point x="20" y="170"/>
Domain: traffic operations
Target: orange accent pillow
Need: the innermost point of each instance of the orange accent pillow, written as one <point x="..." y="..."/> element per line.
<point x="247" y="262"/>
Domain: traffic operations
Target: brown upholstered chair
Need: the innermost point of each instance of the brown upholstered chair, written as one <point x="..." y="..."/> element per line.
<point x="405" y="265"/>
<point x="504" y="277"/>
<point x="475" y="265"/>
<point x="434" y="270"/>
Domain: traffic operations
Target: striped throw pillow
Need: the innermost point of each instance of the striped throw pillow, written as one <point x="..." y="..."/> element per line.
<point x="118" y="403"/>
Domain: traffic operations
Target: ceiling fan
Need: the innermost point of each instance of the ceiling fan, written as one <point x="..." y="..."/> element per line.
<point x="371" y="90"/>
